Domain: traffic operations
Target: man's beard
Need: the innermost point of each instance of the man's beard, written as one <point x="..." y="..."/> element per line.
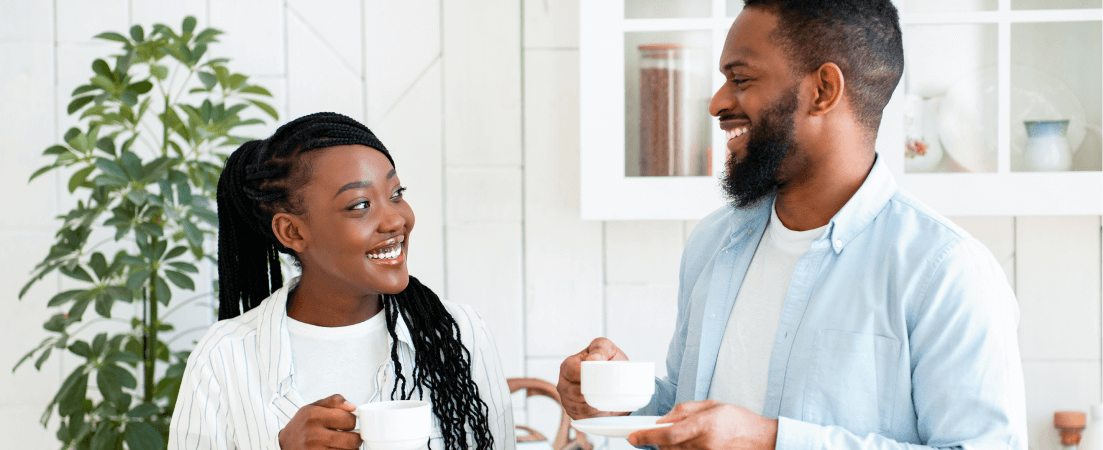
<point x="753" y="178"/>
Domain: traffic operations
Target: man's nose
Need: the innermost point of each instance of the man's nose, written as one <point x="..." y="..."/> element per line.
<point x="722" y="101"/>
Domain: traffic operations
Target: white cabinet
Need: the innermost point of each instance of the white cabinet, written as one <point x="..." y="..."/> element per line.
<point x="975" y="71"/>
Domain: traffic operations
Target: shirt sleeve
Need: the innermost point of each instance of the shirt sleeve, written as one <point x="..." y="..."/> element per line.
<point x="201" y="420"/>
<point x="967" y="381"/>
<point x="486" y="371"/>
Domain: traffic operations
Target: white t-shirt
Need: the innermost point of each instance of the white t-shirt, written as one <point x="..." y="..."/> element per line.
<point x="744" y="359"/>
<point x="338" y="360"/>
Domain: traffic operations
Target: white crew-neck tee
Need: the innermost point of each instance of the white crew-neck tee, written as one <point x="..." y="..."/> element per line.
<point x="743" y="363"/>
<point x="338" y="360"/>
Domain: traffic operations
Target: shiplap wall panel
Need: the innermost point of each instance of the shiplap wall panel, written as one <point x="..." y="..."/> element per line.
<point x="1057" y="262"/>
<point x="393" y="70"/>
<point x="482" y="82"/>
<point x="567" y="276"/>
<point x="317" y="79"/>
<point x="254" y="36"/>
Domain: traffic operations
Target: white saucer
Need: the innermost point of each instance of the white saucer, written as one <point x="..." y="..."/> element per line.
<point x="619" y="426"/>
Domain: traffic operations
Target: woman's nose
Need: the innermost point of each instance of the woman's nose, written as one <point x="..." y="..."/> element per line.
<point x="392" y="219"/>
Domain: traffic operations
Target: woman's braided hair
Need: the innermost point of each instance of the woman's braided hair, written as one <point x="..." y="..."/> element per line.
<point x="262" y="178"/>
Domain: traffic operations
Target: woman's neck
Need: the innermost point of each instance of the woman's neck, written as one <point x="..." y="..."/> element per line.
<point x="325" y="304"/>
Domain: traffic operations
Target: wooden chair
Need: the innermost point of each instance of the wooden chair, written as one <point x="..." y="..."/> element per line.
<point x="563" y="441"/>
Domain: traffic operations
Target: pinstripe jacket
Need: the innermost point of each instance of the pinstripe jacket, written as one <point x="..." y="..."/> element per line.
<point x="238" y="390"/>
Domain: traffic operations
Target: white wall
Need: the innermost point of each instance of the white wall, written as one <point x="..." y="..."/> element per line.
<point x="478" y="100"/>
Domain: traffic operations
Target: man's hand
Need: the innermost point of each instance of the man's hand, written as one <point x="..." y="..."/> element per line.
<point x="323" y="424"/>
<point x="570" y="378"/>
<point x="708" y="425"/>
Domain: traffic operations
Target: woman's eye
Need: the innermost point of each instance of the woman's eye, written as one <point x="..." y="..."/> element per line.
<point x="398" y="193"/>
<point x="361" y="205"/>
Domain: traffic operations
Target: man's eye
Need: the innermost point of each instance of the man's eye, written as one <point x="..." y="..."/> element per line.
<point x="740" y="81"/>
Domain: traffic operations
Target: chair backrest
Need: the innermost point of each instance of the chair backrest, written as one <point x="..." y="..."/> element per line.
<point x="535" y="386"/>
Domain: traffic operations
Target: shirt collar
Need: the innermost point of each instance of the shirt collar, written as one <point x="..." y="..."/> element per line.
<point x="864" y="206"/>
<point x="875" y="192"/>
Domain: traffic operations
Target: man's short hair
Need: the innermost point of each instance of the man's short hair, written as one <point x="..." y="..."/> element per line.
<point x="862" y="37"/>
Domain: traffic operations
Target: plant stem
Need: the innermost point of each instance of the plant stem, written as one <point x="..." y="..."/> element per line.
<point x="150" y="357"/>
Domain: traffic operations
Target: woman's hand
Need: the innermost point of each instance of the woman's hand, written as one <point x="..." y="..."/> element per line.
<point x="323" y="424"/>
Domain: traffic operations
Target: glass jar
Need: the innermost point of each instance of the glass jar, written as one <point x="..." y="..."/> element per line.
<point x="674" y="134"/>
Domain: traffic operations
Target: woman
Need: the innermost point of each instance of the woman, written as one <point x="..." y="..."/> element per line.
<point x="286" y="365"/>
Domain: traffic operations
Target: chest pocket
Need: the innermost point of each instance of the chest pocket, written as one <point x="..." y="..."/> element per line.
<point x="852" y="381"/>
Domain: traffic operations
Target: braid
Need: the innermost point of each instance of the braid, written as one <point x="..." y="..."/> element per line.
<point x="441" y="364"/>
<point x="261" y="178"/>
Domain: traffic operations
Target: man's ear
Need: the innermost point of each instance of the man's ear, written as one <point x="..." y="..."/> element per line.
<point x="291" y="231"/>
<point x="829" y="87"/>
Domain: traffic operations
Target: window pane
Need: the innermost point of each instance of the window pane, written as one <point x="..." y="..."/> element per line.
<point x="1055" y="77"/>
<point x="950" y="81"/>
<point x="667" y="89"/>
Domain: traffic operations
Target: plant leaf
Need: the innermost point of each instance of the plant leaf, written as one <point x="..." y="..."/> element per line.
<point x="176" y="251"/>
<point x="106" y="436"/>
<point x="78" y="178"/>
<point x="195" y="237"/>
<point x="79" y="103"/>
<point x="143" y="410"/>
<point x="100" y="67"/>
<point x="180" y="280"/>
<point x="72" y="392"/>
<point x="142" y="436"/>
<point x="99" y="343"/>
<point x="184" y="267"/>
<point x="65" y="297"/>
<point x="158" y="71"/>
<point x="268" y="109"/>
<point x="256" y="90"/>
<point x="111" y="169"/>
<point x="137" y="279"/>
<point x="81" y="348"/>
<point x="76" y="273"/>
<point x="208" y="79"/>
<point x="141" y="87"/>
<point x="103" y="304"/>
<point x="113" y="37"/>
<point x="188" y="25"/>
<point x="137" y="33"/>
<point x="44" y="343"/>
<point x="161" y="288"/>
<point x="42" y="358"/>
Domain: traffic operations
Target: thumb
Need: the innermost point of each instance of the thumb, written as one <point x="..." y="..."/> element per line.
<point x="336" y="401"/>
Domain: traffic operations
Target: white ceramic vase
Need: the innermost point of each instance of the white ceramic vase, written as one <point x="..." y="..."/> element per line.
<point x="1047" y="146"/>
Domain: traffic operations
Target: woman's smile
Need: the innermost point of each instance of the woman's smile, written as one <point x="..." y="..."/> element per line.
<point x="392" y="254"/>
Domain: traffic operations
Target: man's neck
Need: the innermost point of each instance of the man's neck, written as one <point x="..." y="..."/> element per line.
<point x="812" y="201"/>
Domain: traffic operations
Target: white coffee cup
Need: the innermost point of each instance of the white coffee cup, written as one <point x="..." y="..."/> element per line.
<point x="618" y="385"/>
<point x="395" y="425"/>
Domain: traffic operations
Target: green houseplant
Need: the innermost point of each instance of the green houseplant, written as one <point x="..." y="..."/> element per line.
<point x="144" y="166"/>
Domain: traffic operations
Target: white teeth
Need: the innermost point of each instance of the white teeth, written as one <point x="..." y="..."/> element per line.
<point x="392" y="253"/>
<point x="736" y="132"/>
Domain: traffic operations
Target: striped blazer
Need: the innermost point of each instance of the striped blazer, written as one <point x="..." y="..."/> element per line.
<point x="238" y="390"/>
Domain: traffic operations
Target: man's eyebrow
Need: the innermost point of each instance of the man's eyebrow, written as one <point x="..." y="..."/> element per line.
<point x="362" y="184"/>
<point x="737" y="63"/>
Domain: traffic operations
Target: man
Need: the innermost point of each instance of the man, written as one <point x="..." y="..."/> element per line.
<point x="825" y="308"/>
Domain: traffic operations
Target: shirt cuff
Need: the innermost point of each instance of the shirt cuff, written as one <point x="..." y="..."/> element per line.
<point x="794" y="434"/>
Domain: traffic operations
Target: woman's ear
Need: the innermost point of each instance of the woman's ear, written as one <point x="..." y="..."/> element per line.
<point x="291" y="231"/>
<point x="829" y="85"/>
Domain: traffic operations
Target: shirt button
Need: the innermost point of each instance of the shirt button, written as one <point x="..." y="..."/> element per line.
<point x="838" y="244"/>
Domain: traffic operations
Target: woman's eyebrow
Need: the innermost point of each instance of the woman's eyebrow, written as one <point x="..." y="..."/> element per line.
<point x="361" y="184"/>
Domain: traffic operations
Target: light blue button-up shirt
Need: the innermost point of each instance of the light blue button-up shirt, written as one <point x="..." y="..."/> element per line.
<point x="898" y="328"/>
